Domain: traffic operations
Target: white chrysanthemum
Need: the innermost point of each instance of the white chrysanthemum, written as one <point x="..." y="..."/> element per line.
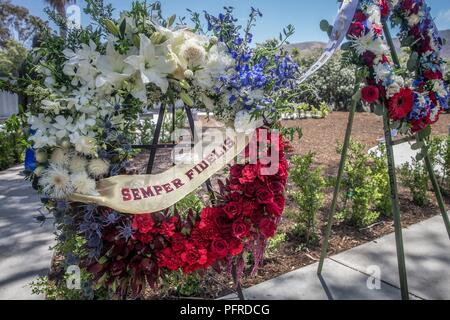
<point x="193" y="52"/>
<point x="98" y="167"/>
<point x="59" y="158"/>
<point x="382" y="71"/>
<point x="83" y="184"/>
<point x="55" y="182"/>
<point x="77" y="164"/>
<point x="374" y="14"/>
<point x="393" y="89"/>
<point x="439" y="88"/>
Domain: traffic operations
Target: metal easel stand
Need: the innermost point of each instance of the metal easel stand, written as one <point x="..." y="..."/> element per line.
<point x="393" y="188"/>
<point x="194" y="140"/>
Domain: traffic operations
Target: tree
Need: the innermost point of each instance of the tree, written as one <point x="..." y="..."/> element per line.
<point x="60" y="5"/>
<point x="16" y="22"/>
<point x="12" y="56"/>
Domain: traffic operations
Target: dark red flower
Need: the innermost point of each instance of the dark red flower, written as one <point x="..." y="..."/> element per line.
<point x="368" y="58"/>
<point x="241" y="229"/>
<point x="431" y="75"/>
<point x="236" y="247"/>
<point x="219" y="248"/>
<point x="277" y="207"/>
<point x="370" y="94"/>
<point x="233" y="209"/>
<point x="264" y="195"/>
<point x="143" y="223"/>
<point x="194" y="255"/>
<point x="236" y="171"/>
<point x="401" y="104"/>
<point x="267" y="227"/>
<point x="249" y="173"/>
<point x="356" y="29"/>
<point x="248" y="207"/>
<point x="384" y="7"/>
<point x="360" y="16"/>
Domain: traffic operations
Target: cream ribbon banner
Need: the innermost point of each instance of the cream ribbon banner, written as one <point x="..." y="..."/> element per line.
<point x="341" y="25"/>
<point x="141" y="194"/>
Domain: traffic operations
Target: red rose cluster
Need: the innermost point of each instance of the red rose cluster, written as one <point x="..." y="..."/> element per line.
<point x="251" y="207"/>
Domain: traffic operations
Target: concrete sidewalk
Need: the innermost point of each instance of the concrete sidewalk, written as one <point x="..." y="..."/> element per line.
<point x="24" y="244"/>
<point x="353" y="275"/>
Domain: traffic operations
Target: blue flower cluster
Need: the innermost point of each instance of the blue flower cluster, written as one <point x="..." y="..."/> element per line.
<point x="255" y="77"/>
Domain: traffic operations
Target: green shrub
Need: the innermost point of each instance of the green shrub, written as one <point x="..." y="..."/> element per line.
<point x="308" y="197"/>
<point x="276" y="242"/>
<point x="414" y="176"/>
<point x="187" y="285"/>
<point x="365" y="186"/>
<point x="439" y="151"/>
<point x="12" y="143"/>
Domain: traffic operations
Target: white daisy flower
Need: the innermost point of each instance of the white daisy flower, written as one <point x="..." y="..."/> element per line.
<point x="83" y="184"/>
<point x="59" y="158"/>
<point x="55" y="182"/>
<point x="77" y="164"/>
<point x="98" y="167"/>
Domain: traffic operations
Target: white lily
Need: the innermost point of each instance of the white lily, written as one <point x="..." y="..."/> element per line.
<point x="153" y="68"/>
<point x="113" y="69"/>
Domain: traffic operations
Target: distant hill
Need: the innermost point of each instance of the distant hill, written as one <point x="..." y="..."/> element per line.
<point x="317" y="45"/>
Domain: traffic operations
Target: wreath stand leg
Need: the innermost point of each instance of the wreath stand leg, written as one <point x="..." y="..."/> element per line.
<point x="393" y="187"/>
<point x="337" y="187"/>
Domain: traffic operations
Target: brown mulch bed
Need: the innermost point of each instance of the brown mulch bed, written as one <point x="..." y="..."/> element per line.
<point x="321" y="137"/>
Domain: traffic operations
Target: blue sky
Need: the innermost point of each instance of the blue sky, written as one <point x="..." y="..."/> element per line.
<point x="305" y="15"/>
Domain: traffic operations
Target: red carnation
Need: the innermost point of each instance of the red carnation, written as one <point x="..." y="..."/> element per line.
<point x="356" y="29"/>
<point x="219" y="247"/>
<point x="370" y="94"/>
<point x="384" y="7"/>
<point x="194" y="255"/>
<point x="360" y="16"/>
<point x="378" y="29"/>
<point x="267" y="227"/>
<point x="401" y="104"/>
<point x="143" y="223"/>
<point x="241" y="229"/>
<point x="167" y="259"/>
<point x="431" y="75"/>
<point x="249" y="173"/>
<point x="264" y="195"/>
<point x="419" y="125"/>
